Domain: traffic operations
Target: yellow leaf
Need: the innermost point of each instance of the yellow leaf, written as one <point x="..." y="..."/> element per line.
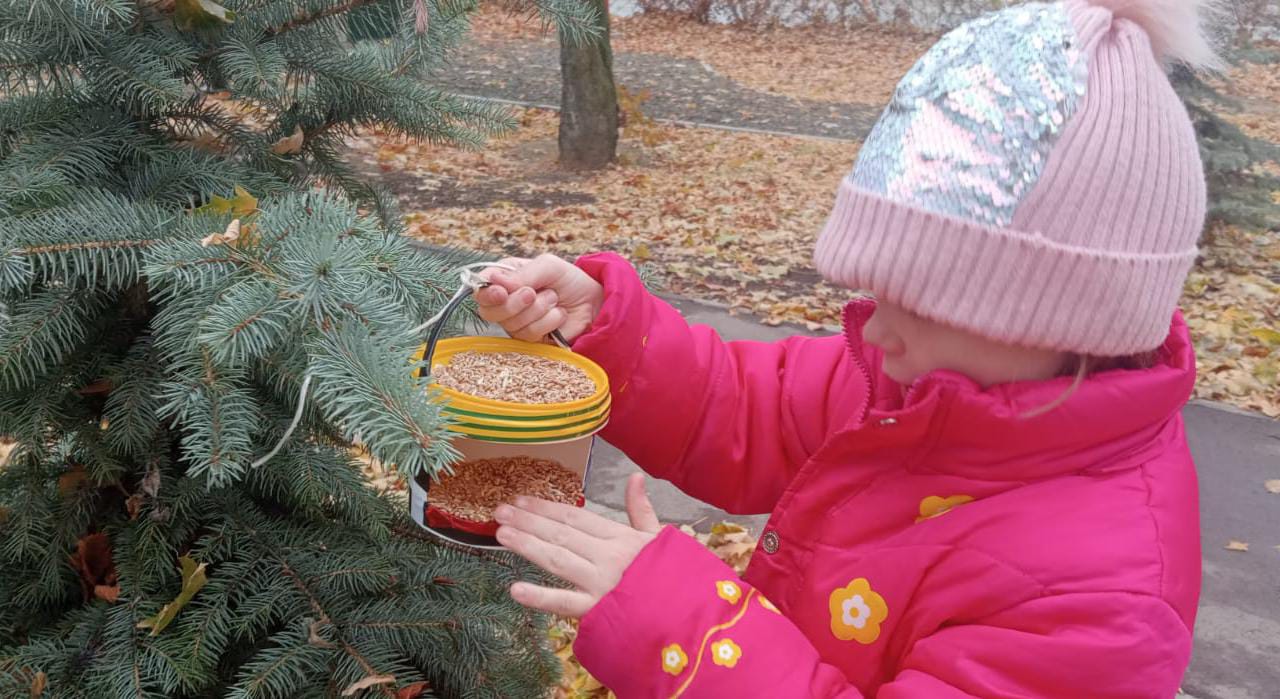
<point x="727" y="528"/>
<point x="641" y="252"/>
<point x="1234" y="545"/>
<point x="289" y="144"/>
<point x="370" y="681"/>
<point x="1269" y="336"/>
<point x="242" y="203"/>
<point x="193" y="579"/>
<point x="200" y="14"/>
<point x="1273" y="486"/>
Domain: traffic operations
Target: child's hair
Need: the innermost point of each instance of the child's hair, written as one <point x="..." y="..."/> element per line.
<point x="1082" y="366"/>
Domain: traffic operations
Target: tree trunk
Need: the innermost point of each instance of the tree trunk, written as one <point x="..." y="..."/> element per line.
<point x="588" y="100"/>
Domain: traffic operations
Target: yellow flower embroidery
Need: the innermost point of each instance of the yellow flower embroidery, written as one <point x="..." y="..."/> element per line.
<point x="933" y="505"/>
<point x="725" y="652"/>
<point x="674" y="659"/>
<point x="769" y="605"/>
<point x="856" y="612"/>
<point x="728" y="591"/>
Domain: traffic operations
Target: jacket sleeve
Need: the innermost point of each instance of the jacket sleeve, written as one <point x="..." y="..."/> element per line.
<point x="680" y="623"/>
<point x="727" y="422"/>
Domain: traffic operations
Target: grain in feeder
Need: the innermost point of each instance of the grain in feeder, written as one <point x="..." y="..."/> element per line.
<point x="525" y="416"/>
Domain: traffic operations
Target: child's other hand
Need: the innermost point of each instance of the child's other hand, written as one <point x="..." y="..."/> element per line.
<point x="581" y="547"/>
<point x="542" y="295"/>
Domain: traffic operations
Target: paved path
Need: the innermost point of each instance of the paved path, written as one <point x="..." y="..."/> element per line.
<point x="1237" y="654"/>
<point x="528" y="71"/>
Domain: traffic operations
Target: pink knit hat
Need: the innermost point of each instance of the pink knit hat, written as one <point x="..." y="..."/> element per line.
<point x="1035" y="179"/>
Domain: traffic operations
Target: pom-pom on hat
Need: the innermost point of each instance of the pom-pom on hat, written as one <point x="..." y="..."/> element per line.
<point x="1035" y="179"/>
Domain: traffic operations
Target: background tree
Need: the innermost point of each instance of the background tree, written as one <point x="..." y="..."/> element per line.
<point x="192" y="334"/>
<point x="588" y="98"/>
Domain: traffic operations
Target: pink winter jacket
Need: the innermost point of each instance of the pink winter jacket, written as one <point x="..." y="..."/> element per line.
<point x="924" y="542"/>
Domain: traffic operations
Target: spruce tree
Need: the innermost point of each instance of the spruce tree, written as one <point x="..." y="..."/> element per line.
<point x="188" y="270"/>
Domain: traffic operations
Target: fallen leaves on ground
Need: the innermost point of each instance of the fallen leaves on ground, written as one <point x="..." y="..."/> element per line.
<point x="1273" y="486"/>
<point x="1232" y="305"/>
<point x="1234" y="545"/>
<point x="722" y="216"/>
<point x="860" y="65"/>
<point x="1257" y="87"/>
<point x="732" y="543"/>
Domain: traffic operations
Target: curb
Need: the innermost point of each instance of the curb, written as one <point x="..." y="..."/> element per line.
<point x="677" y="122"/>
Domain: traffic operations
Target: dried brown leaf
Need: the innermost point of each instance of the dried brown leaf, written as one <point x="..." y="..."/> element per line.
<point x="367" y="682"/>
<point x="1273" y="486"/>
<point x="290" y="144"/>
<point x="1234" y="545"/>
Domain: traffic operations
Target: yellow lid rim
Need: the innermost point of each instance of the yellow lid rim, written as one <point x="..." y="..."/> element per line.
<point x="445" y="349"/>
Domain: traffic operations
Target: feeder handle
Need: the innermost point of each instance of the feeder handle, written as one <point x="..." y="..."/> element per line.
<point x="438" y="326"/>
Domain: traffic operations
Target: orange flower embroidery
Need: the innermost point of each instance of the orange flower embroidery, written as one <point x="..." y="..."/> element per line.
<point x="674" y="659"/>
<point x="768" y="605"/>
<point x="856" y="612"/>
<point x="728" y="591"/>
<point x="725" y="652"/>
<point x="933" y="505"/>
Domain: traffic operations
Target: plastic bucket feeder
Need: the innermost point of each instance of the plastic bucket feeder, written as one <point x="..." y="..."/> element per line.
<point x="487" y="429"/>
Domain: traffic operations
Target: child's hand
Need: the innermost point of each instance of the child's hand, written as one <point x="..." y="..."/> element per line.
<point x="583" y="548"/>
<point x="543" y="294"/>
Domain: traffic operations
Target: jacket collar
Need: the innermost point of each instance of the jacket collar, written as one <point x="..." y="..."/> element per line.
<point x="1113" y="420"/>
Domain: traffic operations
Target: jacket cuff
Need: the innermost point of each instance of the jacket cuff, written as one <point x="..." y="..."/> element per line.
<point x="646" y="636"/>
<point x="616" y="337"/>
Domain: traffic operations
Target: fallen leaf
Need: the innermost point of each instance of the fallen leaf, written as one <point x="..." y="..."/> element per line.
<point x="193" y="578"/>
<point x="314" y="637"/>
<point x="289" y="145"/>
<point x="7" y="448"/>
<point x="133" y="505"/>
<point x="1234" y="545"/>
<point x="1273" y="486"/>
<point x="230" y="234"/>
<point x="200" y="14"/>
<point x="151" y="482"/>
<point x="241" y="203"/>
<point x="38" y="684"/>
<point x="99" y="386"/>
<point x="641" y="252"/>
<point x="92" y="561"/>
<point x="110" y="593"/>
<point x="412" y="691"/>
<point x="71" y="481"/>
<point x="370" y="681"/>
<point x="1269" y="336"/>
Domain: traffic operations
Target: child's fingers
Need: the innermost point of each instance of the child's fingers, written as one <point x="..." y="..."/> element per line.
<point x="547" y="529"/>
<point x="514" y="304"/>
<point x="576" y="517"/>
<point x="540" y="328"/>
<point x="557" y="560"/>
<point x="570" y="603"/>
<point x="639" y="508"/>
<point x="493" y="295"/>
<point x="542" y="304"/>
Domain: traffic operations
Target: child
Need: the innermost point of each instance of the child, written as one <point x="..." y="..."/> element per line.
<point x="983" y="488"/>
